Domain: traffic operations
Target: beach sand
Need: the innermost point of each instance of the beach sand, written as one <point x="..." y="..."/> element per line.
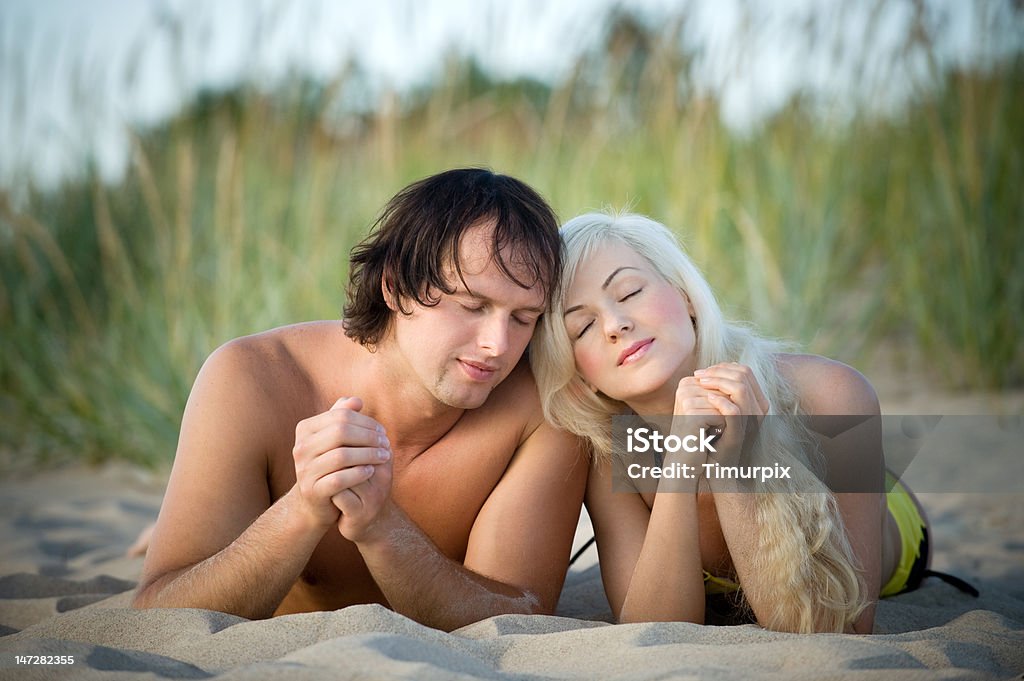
<point x="65" y="585"/>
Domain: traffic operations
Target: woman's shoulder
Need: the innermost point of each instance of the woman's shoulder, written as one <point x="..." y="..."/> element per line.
<point x="826" y="386"/>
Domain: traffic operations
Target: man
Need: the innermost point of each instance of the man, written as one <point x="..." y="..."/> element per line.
<point x="396" y="457"/>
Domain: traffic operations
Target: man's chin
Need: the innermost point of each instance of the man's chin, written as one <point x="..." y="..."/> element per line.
<point x="467" y="402"/>
<point x="466" y="399"/>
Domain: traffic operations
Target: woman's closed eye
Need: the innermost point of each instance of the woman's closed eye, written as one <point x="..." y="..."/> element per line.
<point x="586" y="327"/>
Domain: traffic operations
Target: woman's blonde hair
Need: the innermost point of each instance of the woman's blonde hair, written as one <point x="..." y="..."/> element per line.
<point x="804" y="557"/>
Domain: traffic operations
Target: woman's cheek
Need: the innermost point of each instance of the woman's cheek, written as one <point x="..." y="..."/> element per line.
<point x="586" y="365"/>
<point x="669" y="307"/>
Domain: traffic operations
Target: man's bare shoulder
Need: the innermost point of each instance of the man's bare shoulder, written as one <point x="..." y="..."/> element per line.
<point x="281" y="367"/>
<point x="289" y="352"/>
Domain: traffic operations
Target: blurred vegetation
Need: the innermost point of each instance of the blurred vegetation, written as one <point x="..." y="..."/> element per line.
<point x="901" y="229"/>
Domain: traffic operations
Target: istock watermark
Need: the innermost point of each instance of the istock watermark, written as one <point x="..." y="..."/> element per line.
<point x="841" y="453"/>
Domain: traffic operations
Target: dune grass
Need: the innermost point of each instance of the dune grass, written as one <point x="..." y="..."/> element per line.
<point x="237" y="215"/>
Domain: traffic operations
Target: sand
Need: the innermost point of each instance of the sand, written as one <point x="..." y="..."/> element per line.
<point x="65" y="584"/>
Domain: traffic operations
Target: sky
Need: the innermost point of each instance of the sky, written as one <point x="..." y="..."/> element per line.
<point x="73" y="74"/>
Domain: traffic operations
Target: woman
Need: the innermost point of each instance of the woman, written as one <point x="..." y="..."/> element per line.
<point x="637" y="330"/>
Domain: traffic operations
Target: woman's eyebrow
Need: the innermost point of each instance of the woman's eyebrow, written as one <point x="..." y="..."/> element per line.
<point x="604" y="286"/>
<point x="612" y="276"/>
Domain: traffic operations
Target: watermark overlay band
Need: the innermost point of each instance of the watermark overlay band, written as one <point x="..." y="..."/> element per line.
<point x="843" y="454"/>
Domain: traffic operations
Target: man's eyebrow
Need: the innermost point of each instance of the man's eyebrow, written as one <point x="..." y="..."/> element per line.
<point x="604" y="286"/>
<point x="487" y="299"/>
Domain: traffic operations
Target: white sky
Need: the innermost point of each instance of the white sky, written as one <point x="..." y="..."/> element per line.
<point x="72" y="73"/>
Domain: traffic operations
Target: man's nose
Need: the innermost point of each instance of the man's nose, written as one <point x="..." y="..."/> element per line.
<point x="494" y="334"/>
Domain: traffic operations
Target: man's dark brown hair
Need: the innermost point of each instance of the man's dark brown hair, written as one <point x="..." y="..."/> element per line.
<point x="415" y="243"/>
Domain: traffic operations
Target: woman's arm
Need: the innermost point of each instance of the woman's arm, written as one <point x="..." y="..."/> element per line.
<point x="824" y="388"/>
<point x="650" y="558"/>
<point x="827" y="387"/>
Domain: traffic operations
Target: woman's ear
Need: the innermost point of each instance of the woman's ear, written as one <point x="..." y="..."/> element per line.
<point x="587" y="384"/>
<point x="597" y="393"/>
<point x="689" y="306"/>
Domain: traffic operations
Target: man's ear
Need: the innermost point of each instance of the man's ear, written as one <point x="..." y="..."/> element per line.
<point x="389" y="295"/>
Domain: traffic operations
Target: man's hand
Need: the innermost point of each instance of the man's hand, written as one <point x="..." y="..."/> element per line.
<point x="361" y="504"/>
<point x="336" y="452"/>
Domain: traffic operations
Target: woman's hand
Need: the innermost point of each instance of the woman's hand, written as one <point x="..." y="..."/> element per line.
<point x="737" y="383"/>
<point x="722" y="396"/>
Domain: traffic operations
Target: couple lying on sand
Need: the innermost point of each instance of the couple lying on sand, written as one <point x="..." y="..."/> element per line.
<point x="411" y="456"/>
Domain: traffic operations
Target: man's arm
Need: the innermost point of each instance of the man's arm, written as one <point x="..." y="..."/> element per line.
<point x="219" y="543"/>
<point x="518" y="551"/>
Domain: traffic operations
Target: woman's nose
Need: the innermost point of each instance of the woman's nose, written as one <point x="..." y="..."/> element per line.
<point x="616" y="326"/>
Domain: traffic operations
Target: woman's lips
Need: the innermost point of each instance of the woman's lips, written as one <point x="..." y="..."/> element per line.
<point x="635" y="351"/>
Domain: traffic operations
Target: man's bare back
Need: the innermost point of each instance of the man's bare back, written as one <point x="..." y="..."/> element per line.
<point x="411" y="467"/>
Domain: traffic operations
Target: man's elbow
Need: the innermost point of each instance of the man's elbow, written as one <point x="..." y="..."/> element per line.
<point x="148" y="594"/>
<point x="453" y="623"/>
<point x="539" y="609"/>
<point x="530" y="603"/>
<point x="143" y="598"/>
<point x="527" y="603"/>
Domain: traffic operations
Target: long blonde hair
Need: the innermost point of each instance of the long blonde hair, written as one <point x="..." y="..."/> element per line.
<point x="803" y="542"/>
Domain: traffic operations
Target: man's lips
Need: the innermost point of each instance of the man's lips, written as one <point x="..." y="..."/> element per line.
<point x="635" y="351"/>
<point x="478" y="371"/>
